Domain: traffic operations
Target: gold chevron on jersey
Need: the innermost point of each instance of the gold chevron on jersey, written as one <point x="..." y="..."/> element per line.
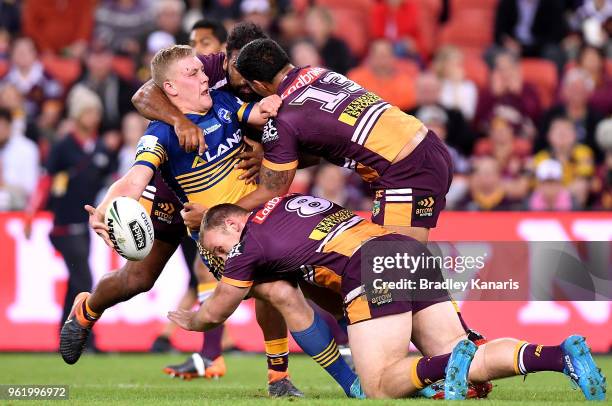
<point x="196" y="174"/>
<point x="367" y="122"/>
<point x="208" y="180"/>
<point x="338" y="230"/>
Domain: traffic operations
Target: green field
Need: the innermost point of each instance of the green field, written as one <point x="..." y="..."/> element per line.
<point x="137" y="379"/>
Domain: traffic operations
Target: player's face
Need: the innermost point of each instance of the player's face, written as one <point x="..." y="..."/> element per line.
<point x="204" y="42"/>
<point x="221" y="240"/>
<point x="191" y="84"/>
<point x="238" y="84"/>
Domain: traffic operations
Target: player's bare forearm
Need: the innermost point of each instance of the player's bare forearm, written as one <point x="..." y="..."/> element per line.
<point x="131" y="185"/>
<point x="213" y="312"/>
<point x="152" y="103"/>
<point x="271" y="184"/>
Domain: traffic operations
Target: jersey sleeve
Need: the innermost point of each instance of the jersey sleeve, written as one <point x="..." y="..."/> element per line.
<point x="233" y="104"/>
<point x="213" y="67"/>
<point x="242" y="262"/>
<point x="280" y="146"/>
<point x="151" y="150"/>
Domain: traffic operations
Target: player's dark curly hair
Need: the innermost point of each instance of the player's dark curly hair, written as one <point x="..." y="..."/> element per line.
<point x="242" y="34"/>
<point x="261" y="60"/>
<point x="216" y="26"/>
<point x="216" y="215"/>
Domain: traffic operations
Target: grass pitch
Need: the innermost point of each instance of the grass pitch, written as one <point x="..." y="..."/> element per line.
<point x="137" y="379"/>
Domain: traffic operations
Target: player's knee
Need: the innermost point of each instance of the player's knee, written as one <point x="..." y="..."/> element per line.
<point x="136" y="280"/>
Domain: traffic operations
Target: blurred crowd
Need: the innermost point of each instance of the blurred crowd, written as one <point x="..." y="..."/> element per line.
<point x="520" y="90"/>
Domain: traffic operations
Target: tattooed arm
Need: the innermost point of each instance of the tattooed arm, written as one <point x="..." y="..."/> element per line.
<point x="271" y="184"/>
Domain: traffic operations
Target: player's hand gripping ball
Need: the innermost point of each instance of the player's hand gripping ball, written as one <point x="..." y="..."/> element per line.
<point x="130" y="228"/>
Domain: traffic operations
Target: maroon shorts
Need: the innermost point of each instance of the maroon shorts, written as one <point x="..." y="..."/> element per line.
<point x="361" y="287"/>
<point x="165" y="211"/>
<point x="412" y="192"/>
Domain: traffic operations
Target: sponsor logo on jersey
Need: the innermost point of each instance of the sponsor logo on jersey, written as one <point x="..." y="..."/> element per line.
<point x="236" y="250"/>
<point x="212" y="128"/>
<point x="146" y="143"/>
<point x="211" y="154"/>
<point x="270" y="133"/>
<point x="375" y="208"/>
<point x="138" y="235"/>
<point x="424" y="207"/>
<point x="262" y="214"/>
<point x="225" y="115"/>
<point x="329" y="222"/>
<point x="306" y="77"/>
<point x="164" y="212"/>
<point x="353" y="111"/>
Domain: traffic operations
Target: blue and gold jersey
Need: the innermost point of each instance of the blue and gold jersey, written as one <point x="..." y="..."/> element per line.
<point x="210" y="178"/>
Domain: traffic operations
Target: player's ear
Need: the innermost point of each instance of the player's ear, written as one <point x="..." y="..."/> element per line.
<point x="231" y="224"/>
<point x="169" y="88"/>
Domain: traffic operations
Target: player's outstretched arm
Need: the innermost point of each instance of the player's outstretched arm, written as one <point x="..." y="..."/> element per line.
<point x="271" y="184"/>
<point x="152" y="103"/>
<point x="213" y="312"/>
<point x="132" y="184"/>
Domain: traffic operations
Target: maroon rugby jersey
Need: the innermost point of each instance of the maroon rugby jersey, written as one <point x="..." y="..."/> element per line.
<point x="325" y="114"/>
<point x="300" y="234"/>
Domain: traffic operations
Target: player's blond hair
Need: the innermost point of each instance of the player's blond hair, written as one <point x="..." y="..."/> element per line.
<point x="164" y="58"/>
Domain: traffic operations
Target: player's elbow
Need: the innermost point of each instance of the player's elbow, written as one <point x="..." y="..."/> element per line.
<point x="139" y="99"/>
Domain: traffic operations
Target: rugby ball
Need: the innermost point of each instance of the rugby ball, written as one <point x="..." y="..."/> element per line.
<point x="130" y="228"/>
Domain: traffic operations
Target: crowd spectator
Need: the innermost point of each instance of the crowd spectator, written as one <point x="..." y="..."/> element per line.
<point x="399" y="21"/>
<point x="511" y="152"/>
<point x="383" y="74"/>
<point x="42" y="93"/>
<point x="258" y="12"/>
<point x="304" y="53"/>
<point x="13" y="101"/>
<point x="486" y="191"/>
<point x="169" y="18"/>
<point x="436" y="119"/>
<point x="589" y="20"/>
<point x="59" y="26"/>
<point x="336" y="54"/>
<point x="330" y="183"/>
<point x="77" y="168"/>
<point x="576" y="90"/>
<point x="576" y="159"/>
<point x="9" y="16"/>
<point x="593" y="62"/>
<point x="550" y="194"/>
<point x="507" y="90"/>
<point x="456" y="91"/>
<point x="601" y="186"/>
<point x="19" y="165"/>
<point x="133" y="127"/>
<point x="428" y="90"/>
<point x="532" y="28"/>
<point x="124" y="23"/>
<point x="114" y="92"/>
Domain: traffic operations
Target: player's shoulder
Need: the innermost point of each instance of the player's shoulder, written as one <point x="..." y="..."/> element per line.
<point x="157" y="132"/>
<point x="223" y="96"/>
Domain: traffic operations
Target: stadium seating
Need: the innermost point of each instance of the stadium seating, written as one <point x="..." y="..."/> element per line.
<point x="476" y="69"/>
<point x="351" y="19"/>
<point x="542" y="74"/>
<point x="65" y="70"/>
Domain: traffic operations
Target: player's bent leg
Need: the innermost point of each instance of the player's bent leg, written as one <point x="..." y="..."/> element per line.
<point x="509" y="357"/>
<point x="276" y="343"/>
<point x="133" y="278"/>
<point x="436" y="329"/>
<point x="208" y="362"/>
<point x="380" y="353"/>
<point x="115" y="287"/>
<point x="310" y="331"/>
